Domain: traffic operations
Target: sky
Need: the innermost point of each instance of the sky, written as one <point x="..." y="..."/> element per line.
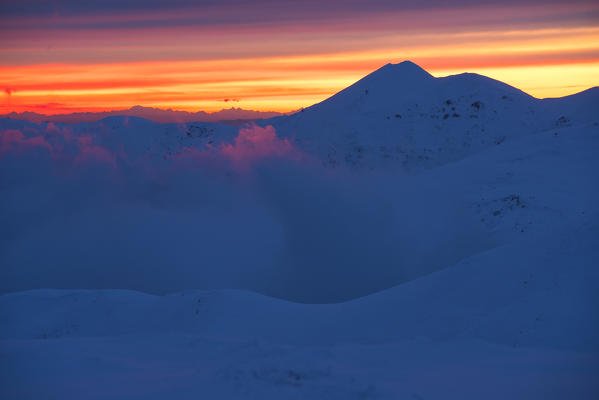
<point x="71" y="55"/>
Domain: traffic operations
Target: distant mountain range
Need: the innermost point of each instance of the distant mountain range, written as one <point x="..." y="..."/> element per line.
<point x="231" y="116"/>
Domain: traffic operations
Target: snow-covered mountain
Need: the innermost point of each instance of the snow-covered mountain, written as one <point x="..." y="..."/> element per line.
<point x="450" y="224"/>
<point x="231" y="116"/>
<point x="401" y="116"/>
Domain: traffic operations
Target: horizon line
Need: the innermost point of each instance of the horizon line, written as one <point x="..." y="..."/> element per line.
<point x="53" y="109"/>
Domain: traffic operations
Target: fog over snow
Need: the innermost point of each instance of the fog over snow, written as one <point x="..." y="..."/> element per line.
<point x="110" y="209"/>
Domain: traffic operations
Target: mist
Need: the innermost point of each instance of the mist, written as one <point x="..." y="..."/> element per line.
<point x="254" y="213"/>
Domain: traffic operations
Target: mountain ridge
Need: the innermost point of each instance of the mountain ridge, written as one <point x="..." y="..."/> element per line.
<point x="158" y="115"/>
<point x="403" y="72"/>
<point x="404" y="116"/>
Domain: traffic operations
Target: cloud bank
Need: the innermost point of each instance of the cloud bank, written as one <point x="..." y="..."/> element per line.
<point x="253" y="213"/>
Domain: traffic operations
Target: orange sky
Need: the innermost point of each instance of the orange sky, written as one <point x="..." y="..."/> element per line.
<point x="109" y="60"/>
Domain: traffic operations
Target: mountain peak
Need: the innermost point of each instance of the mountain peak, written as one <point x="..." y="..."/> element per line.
<point x="404" y="69"/>
<point x="383" y="87"/>
<point x="405" y="76"/>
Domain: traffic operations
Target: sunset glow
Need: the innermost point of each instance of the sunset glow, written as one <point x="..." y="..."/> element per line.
<point x="267" y="57"/>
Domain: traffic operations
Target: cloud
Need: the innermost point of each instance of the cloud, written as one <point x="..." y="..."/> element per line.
<point x="62" y="145"/>
<point x="253" y="213"/>
<point x="252" y="145"/>
<point x="255" y="143"/>
<point x="12" y="140"/>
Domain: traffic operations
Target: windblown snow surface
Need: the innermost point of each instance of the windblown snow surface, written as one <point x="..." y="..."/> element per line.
<point x="411" y="237"/>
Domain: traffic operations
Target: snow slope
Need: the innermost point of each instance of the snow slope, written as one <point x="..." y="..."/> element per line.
<point x="468" y="270"/>
<point x="510" y="323"/>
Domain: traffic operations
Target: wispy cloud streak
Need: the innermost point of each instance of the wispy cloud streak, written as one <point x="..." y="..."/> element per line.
<point x="278" y="55"/>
